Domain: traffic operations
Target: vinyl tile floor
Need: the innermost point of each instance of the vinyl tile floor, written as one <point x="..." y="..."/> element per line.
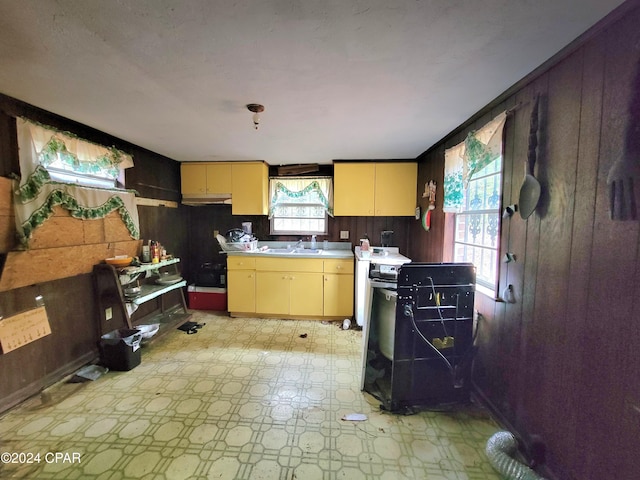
<point x="245" y="399"/>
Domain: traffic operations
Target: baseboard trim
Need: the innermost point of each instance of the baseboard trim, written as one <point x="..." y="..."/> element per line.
<point x="36" y="387"/>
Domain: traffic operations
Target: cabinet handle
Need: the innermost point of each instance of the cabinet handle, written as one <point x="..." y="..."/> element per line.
<point x="339" y="267"/>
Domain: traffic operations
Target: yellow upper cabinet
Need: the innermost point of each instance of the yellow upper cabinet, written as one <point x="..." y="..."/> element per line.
<point x="250" y="188"/>
<point x="354" y="189"/>
<point x="205" y="178"/>
<point x="247" y="182"/>
<point x="375" y="189"/>
<point x="396" y="186"/>
<point x="219" y="178"/>
<point x="193" y="178"/>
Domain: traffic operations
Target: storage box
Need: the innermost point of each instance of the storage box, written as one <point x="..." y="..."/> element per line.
<point x="120" y="349"/>
<point x="207" y="298"/>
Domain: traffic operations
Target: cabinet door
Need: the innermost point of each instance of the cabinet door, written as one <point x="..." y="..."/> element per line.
<point x="193" y="178"/>
<point x="338" y="295"/>
<point x="241" y="291"/>
<point x="396" y="187"/>
<point x="250" y="188"/>
<point x="353" y="189"/>
<point x="219" y="178"/>
<point x="306" y="294"/>
<point x="272" y="292"/>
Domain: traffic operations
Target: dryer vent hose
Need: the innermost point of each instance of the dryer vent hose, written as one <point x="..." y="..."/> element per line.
<point x="499" y="449"/>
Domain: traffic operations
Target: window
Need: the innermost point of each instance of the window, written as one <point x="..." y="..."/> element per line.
<point x="472" y="192"/>
<point x="300" y="205"/>
<point x="68" y="159"/>
<point x="477" y="225"/>
<point x="69" y="172"/>
<point x="55" y="170"/>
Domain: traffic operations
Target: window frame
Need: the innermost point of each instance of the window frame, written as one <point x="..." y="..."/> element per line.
<point x="273" y="231"/>
<point x="299" y="188"/>
<point x="491" y="290"/>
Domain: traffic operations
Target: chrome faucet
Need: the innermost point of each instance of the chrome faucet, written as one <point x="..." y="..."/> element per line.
<point x="299" y="244"/>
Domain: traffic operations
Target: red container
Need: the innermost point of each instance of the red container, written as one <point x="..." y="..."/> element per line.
<point x="207" y="298"/>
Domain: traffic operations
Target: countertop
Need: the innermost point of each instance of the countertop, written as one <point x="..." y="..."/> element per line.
<point x="289" y="250"/>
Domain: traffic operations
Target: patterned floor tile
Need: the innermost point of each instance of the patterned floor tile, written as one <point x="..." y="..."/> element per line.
<point x="244" y="399"/>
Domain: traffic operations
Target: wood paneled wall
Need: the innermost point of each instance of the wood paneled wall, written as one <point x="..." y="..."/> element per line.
<point x="68" y="247"/>
<point x="560" y="365"/>
<point x="203" y="220"/>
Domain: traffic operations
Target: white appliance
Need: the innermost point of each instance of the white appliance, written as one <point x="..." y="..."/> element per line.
<point x="377" y="268"/>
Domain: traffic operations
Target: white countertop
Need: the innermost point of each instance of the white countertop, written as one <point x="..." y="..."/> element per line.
<point x="383" y="255"/>
<point x="283" y="249"/>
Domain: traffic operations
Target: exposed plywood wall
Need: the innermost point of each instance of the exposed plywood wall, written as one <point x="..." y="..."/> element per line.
<point x="61" y="247"/>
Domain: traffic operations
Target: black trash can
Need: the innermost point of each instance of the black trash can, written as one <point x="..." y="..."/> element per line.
<point x="120" y="349"/>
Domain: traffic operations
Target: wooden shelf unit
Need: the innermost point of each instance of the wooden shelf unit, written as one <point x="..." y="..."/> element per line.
<point x="116" y="310"/>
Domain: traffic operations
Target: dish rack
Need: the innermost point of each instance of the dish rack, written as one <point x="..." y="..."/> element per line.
<point x="237" y="246"/>
<point x="240" y="246"/>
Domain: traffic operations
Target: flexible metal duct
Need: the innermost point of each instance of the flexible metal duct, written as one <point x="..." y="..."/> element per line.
<point x="499" y="449"/>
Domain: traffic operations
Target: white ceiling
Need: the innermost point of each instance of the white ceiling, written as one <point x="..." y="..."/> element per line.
<point x="340" y="79"/>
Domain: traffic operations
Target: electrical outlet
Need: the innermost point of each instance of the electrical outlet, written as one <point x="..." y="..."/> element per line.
<point x="108" y="313"/>
<point x="344" y="234"/>
<point x="216" y="233"/>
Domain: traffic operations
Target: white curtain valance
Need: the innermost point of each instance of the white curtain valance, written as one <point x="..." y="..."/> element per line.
<point x="36" y="194"/>
<point x="461" y="162"/>
<point x="309" y="190"/>
<point x="48" y="144"/>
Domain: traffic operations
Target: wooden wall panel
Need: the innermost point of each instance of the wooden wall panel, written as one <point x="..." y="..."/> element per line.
<point x="67" y="247"/>
<point x="559" y="365"/>
<point x="203" y="220"/>
<point x="73" y="341"/>
<point x="577" y="309"/>
<point x="7" y="219"/>
<point x="613" y="274"/>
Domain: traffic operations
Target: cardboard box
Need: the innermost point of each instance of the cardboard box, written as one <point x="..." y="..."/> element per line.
<point x="207" y="298"/>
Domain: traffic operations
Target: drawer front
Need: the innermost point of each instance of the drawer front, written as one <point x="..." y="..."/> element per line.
<point x="336" y="265"/>
<point x="288" y="264"/>
<point x="241" y="263"/>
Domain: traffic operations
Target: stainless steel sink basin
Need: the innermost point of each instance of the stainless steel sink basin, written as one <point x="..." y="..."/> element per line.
<point x="294" y="251"/>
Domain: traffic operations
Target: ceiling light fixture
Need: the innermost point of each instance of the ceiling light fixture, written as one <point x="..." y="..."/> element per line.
<point x="257" y="109"/>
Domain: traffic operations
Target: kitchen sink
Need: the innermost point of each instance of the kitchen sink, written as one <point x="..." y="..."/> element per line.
<point x="295" y="251"/>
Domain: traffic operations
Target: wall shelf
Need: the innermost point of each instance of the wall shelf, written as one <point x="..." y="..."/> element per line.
<point x="116" y="310"/>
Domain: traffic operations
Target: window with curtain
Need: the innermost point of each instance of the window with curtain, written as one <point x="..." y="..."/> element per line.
<point x="51" y="164"/>
<point x="473" y="191"/>
<point x="300" y="205"/>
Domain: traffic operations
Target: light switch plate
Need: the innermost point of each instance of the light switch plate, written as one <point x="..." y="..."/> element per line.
<point x="344" y="234"/>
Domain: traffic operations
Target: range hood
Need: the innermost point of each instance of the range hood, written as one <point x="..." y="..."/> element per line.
<point x="207" y="199"/>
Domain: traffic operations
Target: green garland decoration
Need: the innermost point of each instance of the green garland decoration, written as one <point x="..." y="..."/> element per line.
<point x="66" y="201"/>
<point x="34" y="184"/>
<point x="313" y="186"/>
<point x="108" y="162"/>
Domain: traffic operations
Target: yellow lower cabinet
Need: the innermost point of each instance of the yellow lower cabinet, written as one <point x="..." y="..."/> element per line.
<point x="289" y="287"/>
<point x="272" y="293"/>
<point x="306" y="294"/>
<point x="241" y="291"/>
<point x="338" y="288"/>
<point x="338" y="295"/>
<point x="241" y="284"/>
